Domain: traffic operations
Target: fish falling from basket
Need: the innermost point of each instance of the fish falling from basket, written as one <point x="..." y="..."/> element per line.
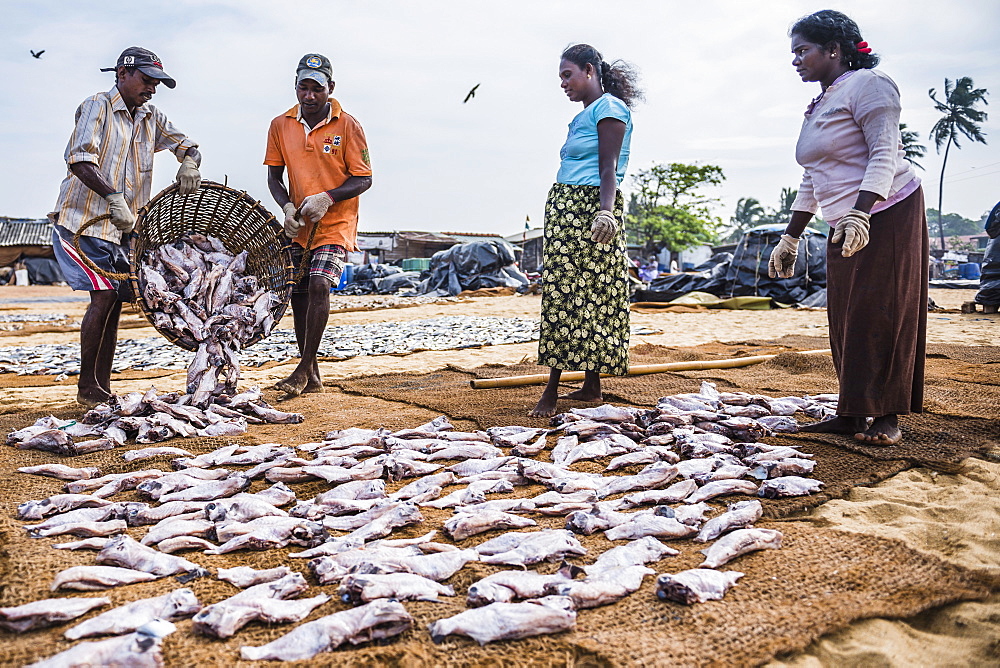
<point x="196" y="288"/>
<point x="212" y="273"/>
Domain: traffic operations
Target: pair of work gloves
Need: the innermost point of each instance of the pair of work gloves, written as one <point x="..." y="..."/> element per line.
<point x="852" y="229"/>
<point x="188" y="182"/>
<point x="312" y="210"/>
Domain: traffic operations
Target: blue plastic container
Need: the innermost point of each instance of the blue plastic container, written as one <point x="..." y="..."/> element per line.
<point x="969" y="270"/>
<point x="346" y="277"/>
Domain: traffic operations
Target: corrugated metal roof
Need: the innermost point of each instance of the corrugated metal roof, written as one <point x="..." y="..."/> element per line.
<point x="24" y="232"/>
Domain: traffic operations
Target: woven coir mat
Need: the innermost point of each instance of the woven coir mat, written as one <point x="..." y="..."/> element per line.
<point x="819" y="581"/>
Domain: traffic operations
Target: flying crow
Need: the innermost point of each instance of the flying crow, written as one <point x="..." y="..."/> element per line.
<point x="472" y="94"/>
<point x="37" y="55"/>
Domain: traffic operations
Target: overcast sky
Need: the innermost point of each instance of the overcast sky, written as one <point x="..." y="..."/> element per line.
<point x="720" y="90"/>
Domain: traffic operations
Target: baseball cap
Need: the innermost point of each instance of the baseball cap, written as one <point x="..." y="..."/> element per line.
<point x="316" y="67"/>
<point x="145" y="61"/>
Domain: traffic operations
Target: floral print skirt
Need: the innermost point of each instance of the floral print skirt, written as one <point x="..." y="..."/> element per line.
<point x="585" y="316"/>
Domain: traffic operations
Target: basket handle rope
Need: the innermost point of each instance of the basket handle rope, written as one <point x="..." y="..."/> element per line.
<point x="86" y="260"/>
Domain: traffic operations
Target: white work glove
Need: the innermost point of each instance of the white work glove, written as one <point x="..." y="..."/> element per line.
<point x="853" y="229"/>
<point x="782" y="262"/>
<point x="121" y="215"/>
<point x="188" y="176"/>
<point x="315" y="206"/>
<point x="604" y="228"/>
<point x="292" y="223"/>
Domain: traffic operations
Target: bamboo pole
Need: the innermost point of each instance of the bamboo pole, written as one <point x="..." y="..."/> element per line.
<point x="640" y="370"/>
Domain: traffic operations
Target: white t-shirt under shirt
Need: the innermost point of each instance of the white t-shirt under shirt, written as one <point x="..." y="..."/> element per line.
<point x="578" y="156"/>
<point x="849" y="142"/>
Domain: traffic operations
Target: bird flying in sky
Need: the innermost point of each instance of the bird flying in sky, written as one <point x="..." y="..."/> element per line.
<point x="37" y="55"/>
<point x="472" y="94"/>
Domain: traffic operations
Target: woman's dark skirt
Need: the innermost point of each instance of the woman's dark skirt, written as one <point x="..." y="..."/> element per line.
<point x="585" y="316"/>
<point x="877" y="309"/>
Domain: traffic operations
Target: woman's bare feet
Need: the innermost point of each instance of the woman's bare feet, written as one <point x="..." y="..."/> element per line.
<point x="583" y="394"/>
<point x="836" y="425"/>
<point x="590" y="391"/>
<point x="546" y="406"/>
<point x="884" y="431"/>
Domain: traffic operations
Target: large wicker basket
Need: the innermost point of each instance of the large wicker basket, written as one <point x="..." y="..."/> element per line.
<point x="231" y="216"/>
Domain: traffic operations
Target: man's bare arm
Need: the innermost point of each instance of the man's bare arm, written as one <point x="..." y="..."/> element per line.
<point x="276" y="184"/>
<point x="92" y="178"/>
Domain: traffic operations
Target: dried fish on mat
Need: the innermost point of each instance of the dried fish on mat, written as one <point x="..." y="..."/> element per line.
<point x="223" y="619"/>
<point x="46" y="612"/>
<point x="696" y="585"/>
<point x="126" y="552"/>
<point x="509" y="621"/>
<point x="603" y="588"/>
<point x="140" y="649"/>
<point x="378" y="620"/>
<point x="244" y="576"/>
<point x="178" y="604"/>
<point x="152" y="417"/>
<point x="399" y="586"/>
<point x="61" y="471"/>
<point x="740" y="542"/>
<point x="505" y="586"/>
<point x="95" y="578"/>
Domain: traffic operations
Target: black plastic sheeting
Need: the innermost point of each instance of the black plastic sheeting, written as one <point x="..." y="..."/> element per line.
<point x="993" y="222"/>
<point x="471" y="266"/>
<point x="744" y="272"/>
<point x="43" y="270"/>
<point x="989" y="280"/>
<point x="382" y="279"/>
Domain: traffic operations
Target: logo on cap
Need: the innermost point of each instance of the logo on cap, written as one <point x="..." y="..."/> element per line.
<point x="129" y="60"/>
<point x="314" y="61"/>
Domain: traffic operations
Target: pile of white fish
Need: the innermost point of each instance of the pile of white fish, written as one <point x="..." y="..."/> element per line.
<point x="342" y="342"/>
<point x="150" y="417"/>
<point x="376" y="302"/>
<point x="11" y="322"/>
<point x="200" y="292"/>
<point x="689" y="450"/>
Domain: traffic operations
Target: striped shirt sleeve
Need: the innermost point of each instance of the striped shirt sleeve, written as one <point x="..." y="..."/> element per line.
<point x="85" y="142"/>
<point x="169" y="137"/>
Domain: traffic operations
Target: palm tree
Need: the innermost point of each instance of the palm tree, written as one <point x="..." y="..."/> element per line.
<point x="912" y="148"/>
<point x="748" y="214"/>
<point x="960" y="115"/>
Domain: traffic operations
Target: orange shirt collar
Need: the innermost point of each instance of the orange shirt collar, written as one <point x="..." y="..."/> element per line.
<point x="335" y="111"/>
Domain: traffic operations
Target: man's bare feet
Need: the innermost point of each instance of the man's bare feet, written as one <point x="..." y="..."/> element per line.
<point x="884" y="431"/>
<point x="293" y="385"/>
<point x="583" y="394"/>
<point x="91" y="396"/>
<point x="836" y="425"/>
<point x="314" y="386"/>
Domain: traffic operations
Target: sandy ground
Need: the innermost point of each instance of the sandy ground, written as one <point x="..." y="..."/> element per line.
<point x="953" y="516"/>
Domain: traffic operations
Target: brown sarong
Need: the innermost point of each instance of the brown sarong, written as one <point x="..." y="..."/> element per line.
<point x="877" y="308"/>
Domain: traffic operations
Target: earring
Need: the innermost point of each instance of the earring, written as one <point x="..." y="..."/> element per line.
<point x="588" y="76"/>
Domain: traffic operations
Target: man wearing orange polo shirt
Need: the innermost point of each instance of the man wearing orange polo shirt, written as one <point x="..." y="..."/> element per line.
<point x="326" y="154"/>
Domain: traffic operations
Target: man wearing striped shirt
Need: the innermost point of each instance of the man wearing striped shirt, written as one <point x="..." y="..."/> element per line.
<point x="110" y="161"/>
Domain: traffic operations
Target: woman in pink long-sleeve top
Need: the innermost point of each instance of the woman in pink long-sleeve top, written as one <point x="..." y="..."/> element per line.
<point x="856" y="173"/>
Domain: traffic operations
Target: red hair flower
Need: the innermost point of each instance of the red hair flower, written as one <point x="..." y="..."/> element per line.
<point x="863" y="47"/>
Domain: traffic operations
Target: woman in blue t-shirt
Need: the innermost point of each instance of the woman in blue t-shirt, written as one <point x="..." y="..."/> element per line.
<point x="585" y="324"/>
